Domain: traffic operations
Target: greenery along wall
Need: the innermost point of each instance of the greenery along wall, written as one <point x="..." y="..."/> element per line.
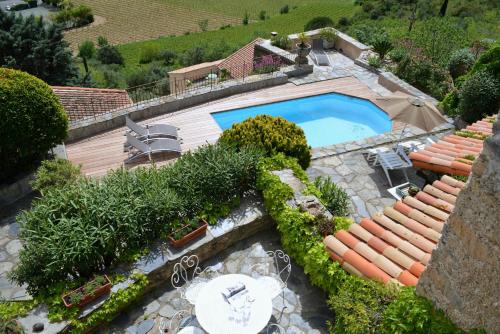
<point x="83" y="227"/>
<point x="359" y="306"/>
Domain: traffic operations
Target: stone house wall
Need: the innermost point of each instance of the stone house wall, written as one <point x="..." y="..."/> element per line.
<point x="463" y="276"/>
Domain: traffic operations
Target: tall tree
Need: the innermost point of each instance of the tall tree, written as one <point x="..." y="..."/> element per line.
<point x="32" y="45"/>
<point x="444" y="7"/>
<point x="86" y="50"/>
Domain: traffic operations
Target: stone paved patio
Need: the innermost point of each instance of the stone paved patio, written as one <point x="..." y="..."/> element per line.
<point x="306" y="310"/>
<point x="366" y="185"/>
<point x="10" y="245"/>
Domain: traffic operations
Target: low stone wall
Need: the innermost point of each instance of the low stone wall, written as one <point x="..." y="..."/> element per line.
<point x="15" y="191"/>
<point x="462" y="277"/>
<point x="86" y="128"/>
<point x="393" y="83"/>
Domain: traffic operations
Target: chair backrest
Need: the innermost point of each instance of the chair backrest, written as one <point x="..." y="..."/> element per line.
<point x="317" y="44"/>
<point x="275" y="329"/>
<point x="135" y="127"/>
<point x="282" y="265"/>
<point x="137" y="144"/>
<point x="185" y="270"/>
<point x="401" y="152"/>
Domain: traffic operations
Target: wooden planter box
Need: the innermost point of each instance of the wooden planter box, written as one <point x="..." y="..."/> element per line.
<point x="200" y="231"/>
<point x="103" y="289"/>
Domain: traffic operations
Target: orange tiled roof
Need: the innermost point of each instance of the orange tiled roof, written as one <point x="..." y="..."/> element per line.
<point x="449" y="155"/>
<point x="82" y="102"/>
<point x="240" y="63"/>
<point x="396" y="245"/>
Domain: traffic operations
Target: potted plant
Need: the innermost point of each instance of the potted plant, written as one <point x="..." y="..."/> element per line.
<point x="92" y="290"/>
<point x="189" y="231"/>
<point x="303" y="50"/>
<point x="329" y="36"/>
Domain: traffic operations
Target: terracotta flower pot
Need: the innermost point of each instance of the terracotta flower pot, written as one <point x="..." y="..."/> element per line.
<point x="302" y="53"/>
<point x="200" y="231"/>
<point x="96" y="293"/>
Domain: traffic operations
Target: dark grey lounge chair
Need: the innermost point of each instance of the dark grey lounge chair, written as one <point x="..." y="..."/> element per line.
<point x="158" y="145"/>
<point x="319" y="53"/>
<point x="151" y="130"/>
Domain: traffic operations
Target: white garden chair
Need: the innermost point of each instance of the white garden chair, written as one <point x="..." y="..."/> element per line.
<point x="183" y="322"/>
<point x="189" y="278"/>
<point x="274" y="276"/>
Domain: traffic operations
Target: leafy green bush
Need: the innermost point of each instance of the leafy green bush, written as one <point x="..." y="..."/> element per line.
<point x="73" y="17"/>
<point x="375" y="61"/>
<point x="112" y="78"/>
<point x="285" y="9"/>
<point x="148" y="54"/>
<point x="382" y="45"/>
<point x="168" y="57"/>
<point x="282" y="42"/>
<point x="246" y="18"/>
<point x="32" y="121"/>
<point x="333" y="197"/>
<point x="55" y="174"/>
<point x="460" y="62"/>
<point x="273" y="134"/>
<point x="489" y="62"/>
<point x="344" y="21"/>
<point x="450" y="103"/>
<point x="318" y="22"/>
<point x="397" y="55"/>
<point x="87" y="225"/>
<point x="107" y="53"/>
<point x="479" y="96"/>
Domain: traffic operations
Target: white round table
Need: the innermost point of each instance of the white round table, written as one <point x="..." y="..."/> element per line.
<point x="248" y="313"/>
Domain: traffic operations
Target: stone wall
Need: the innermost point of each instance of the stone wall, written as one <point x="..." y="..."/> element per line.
<point x="464" y="273"/>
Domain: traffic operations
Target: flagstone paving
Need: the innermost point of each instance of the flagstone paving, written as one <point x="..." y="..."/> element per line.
<point x="366" y="185"/>
<point x="306" y="310"/>
<point x="10" y="245"/>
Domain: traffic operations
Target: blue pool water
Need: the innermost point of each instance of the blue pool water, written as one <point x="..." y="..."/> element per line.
<point x="326" y="119"/>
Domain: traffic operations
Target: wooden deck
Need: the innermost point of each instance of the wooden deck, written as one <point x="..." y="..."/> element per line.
<point x="103" y="152"/>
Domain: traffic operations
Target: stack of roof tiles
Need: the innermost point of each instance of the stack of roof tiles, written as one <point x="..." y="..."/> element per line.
<point x="454" y="154"/>
<point x="396" y="244"/>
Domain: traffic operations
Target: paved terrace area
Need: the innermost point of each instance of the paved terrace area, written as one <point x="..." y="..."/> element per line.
<point x="306" y="310"/>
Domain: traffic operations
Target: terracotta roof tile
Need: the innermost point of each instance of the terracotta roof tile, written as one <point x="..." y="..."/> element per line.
<point x="82" y="102"/>
<point x="240" y="63"/>
<point x="451" y="154"/>
<point x="396" y="245"/>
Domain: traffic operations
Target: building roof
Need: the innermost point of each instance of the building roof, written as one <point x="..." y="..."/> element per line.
<point x="197" y="67"/>
<point x="454" y="154"/>
<point x="240" y="63"/>
<point x="80" y="102"/>
<point x="396" y="245"/>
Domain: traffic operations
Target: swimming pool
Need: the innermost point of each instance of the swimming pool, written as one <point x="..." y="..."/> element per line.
<point x="326" y="119"/>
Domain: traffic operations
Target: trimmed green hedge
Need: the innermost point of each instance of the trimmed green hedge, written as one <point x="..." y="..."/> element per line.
<point x="32" y="121"/>
<point x="273" y="134"/>
<point x="360" y="306"/>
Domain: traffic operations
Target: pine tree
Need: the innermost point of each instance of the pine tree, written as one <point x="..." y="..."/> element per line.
<point x="32" y="45"/>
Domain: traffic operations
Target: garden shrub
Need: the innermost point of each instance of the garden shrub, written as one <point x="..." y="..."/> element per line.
<point x="344" y="21"/>
<point x="32" y="121"/>
<point x="479" y="96"/>
<point x="450" y="103"/>
<point x="318" y="22"/>
<point x="333" y="197"/>
<point x="87" y="225"/>
<point x="489" y="62"/>
<point x="112" y="78"/>
<point x="148" y="54"/>
<point x="397" y="55"/>
<point x="285" y="9"/>
<point x="272" y="134"/>
<point x="55" y="173"/>
<point x="73" y="17"/>
<point x="107" y="53"/>
<point x="282" y="42"/>
<point x="146" y="75"/>
<point x="382" y="45"/>
<point x="460" y="62"/>
<point x="375" y="61"/>
<point x="167" y="56"/>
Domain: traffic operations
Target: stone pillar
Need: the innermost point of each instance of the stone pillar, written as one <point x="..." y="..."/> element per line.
<point x="463" y="276"/>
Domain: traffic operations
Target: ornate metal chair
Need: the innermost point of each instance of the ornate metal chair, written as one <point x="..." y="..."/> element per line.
<point x="274" y="277"/>
<point x="182" y="322"/>
<point x="188" y="277"/>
